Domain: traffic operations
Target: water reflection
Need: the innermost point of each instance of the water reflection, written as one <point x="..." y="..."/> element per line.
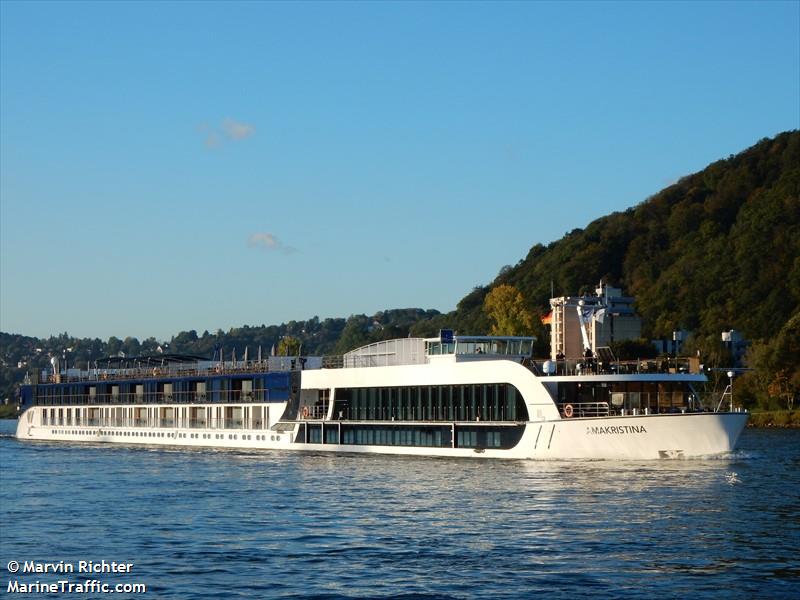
<point x="205" y="522"/>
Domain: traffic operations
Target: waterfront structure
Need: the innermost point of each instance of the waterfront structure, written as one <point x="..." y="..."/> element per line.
<point x="467" y="396"/>
<point x="735" y="343"/>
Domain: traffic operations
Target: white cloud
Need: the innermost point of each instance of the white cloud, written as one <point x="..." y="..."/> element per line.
<point x="268" y="241"/>
<point x="237" y="131"/>
<point x="230" y="129"/>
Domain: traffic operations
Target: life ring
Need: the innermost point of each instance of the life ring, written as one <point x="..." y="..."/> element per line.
<point x="305" y="412"/>
<point x="218" y="369"/>
<point x="568" y="412"/>
<point x="156" y="372"/>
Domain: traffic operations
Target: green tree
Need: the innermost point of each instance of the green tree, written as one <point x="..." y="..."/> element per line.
<point x="353" y="335"/>
<point x="505" y="307"/>
<point x="289" y="346"/>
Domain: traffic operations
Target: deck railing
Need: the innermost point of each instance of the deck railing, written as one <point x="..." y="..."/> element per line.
<point x="584" y="409"/>
<point x="594" y="366"/>
<point x="173" y="370"/>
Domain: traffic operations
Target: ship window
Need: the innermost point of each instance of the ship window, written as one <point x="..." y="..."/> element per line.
<point x="493" y="402"/>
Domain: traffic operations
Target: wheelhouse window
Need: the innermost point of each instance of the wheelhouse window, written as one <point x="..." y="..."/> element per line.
<point x="630" y="396"/>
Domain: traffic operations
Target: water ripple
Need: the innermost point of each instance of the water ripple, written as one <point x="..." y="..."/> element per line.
<point x="205" y="523"/>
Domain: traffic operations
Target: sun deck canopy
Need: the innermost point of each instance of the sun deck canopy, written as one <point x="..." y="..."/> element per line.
<point x="418" y="351"/>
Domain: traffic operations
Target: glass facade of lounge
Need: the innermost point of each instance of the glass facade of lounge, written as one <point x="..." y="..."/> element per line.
<point x="476" y="402"/>
<point x="656" y="397"/>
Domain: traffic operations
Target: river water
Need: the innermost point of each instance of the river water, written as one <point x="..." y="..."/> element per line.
<point x="207" y="523"/>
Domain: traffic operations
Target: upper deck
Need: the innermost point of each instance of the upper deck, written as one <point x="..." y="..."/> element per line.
<point x="419" y="351"/>
<point x="173" y="366"/>
<point x="396" y="352"/>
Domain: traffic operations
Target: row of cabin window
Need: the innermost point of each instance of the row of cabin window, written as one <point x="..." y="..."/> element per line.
<point x="214" y="390"/>
<point x="434" y="437"/>
<point x="230" y="417"/>
<point x="479" y="402"/>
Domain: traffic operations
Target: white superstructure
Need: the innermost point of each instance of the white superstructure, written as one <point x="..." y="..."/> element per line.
<point x="469" y="396"/>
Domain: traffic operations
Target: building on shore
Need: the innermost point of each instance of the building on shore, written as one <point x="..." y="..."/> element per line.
<point x="672" y="346"/>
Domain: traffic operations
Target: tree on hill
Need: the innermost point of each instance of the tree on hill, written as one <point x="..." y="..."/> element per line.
<point x="289" y="346"/>
<point x="505" y="306"/>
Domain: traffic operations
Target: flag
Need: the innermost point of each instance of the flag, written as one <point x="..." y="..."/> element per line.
<point x="585" y="313"/>
<point x="600" y="315"/>
<point x="548" y="318"/>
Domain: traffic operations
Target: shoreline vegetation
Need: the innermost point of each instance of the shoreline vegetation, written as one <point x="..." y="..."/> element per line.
<point x="775" y="419"/>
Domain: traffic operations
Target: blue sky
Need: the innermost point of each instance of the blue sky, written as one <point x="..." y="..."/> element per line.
<point x="175" y="166"/>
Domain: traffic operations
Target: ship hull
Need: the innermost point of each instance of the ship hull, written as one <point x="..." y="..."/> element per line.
<point x="641" y="437"/>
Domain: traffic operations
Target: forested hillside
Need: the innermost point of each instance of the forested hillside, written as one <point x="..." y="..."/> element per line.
<point x="718" y="250"/>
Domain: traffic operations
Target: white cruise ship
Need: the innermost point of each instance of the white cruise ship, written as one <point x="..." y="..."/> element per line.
<point x="454" y="396"/>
